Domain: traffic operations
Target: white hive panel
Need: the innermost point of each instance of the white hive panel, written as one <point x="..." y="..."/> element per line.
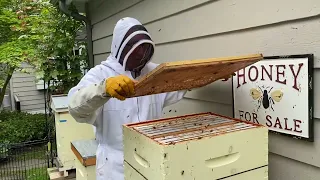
<point x="131" y="173"/>
<point x="201" y="146"/>
<point x="255" y="174"/>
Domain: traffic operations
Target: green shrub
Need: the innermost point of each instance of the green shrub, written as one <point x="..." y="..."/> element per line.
<point x="16" y="127"/>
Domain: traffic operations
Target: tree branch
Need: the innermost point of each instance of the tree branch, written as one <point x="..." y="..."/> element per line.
<point x="3" y="90"/>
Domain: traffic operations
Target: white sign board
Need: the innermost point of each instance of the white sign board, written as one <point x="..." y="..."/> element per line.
<point x="277" y="92"/>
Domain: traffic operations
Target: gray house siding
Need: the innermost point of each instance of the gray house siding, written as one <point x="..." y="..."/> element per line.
<point x="195" y="29"/>
<point x="30" y="91"/>
<point x="24" y="87"/>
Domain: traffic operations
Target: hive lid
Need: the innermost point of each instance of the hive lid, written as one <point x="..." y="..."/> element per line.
<point x="190" y="127"/>
<point x="59" y="103"/>
<point x="182" y="75"/>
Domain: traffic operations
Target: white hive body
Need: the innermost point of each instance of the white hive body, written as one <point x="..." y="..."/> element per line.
<point x="200" y="146"/>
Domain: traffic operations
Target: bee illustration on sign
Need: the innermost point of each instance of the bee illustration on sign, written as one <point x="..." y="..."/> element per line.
<point x="266" y="98"/>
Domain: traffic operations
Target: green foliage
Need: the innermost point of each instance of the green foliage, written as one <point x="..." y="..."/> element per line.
<point x="20" y="31"/>
<point x="63" y="66"/>
<point x="19" y="127"/>
<point x="17" y="36"/>
<point x="33" y="32"/>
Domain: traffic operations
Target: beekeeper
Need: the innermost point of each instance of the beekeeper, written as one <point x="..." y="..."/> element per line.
<point x="89" y="102"/>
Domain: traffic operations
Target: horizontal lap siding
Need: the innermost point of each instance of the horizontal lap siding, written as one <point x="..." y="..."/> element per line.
<point x="212" y="18"/>
<point x="33" y="107"/>
<point x="24" y="79"/>
<point x="282" y="168"/>
<point x="29" y="92"/>
<point x="283" y="38"/>
<point x="24" y="86"/>
<point x="98" y="58"/>
<point x="101" y="9"/>
<point x="204" y="29"/>
<point x="146" y="11"/>
<point x="102" y="45"/>
<point x="307" y="152"/>
<point x="191" y="106"/>
<point x="275" y="40"/>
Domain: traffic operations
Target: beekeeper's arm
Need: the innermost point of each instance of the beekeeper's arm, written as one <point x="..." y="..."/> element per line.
<point x="92" y="92"/>
<point x="173" y="97"/>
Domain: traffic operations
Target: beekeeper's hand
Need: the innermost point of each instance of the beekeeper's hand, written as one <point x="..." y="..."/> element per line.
<point x="120" y="87"/>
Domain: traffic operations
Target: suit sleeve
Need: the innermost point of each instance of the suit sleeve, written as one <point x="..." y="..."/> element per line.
<point x="173" y="97"/>
<point x="88" y="97"/>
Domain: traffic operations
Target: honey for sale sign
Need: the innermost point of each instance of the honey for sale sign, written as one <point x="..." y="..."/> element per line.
<point x="277" y="92"/>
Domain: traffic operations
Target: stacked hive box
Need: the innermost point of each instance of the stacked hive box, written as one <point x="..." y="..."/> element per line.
<point x="199" y="146"/>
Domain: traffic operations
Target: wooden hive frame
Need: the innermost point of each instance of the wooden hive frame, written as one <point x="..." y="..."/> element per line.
<point x="190" y="74"/>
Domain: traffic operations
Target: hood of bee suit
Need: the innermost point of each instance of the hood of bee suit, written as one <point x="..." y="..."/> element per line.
<point x="128" y="35"/>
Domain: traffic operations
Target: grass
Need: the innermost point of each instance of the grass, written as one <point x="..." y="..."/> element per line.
<point x="30" y="164"/>
<point x="37" y="174"/>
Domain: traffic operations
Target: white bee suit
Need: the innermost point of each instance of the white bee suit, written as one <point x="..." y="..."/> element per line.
<point x="88" y="104"/>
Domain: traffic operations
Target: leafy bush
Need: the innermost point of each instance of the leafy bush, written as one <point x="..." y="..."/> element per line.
<point x="16" y="127"/>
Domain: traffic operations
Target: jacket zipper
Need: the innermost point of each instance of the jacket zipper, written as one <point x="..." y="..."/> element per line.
<point x="138" y="108"/>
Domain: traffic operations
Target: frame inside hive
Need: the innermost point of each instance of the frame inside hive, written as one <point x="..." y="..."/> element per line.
<point x="190" y="127"/>
<point x="190" y="74"/>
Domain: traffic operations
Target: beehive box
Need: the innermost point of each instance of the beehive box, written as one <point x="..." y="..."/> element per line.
<point x="198" y="146"/>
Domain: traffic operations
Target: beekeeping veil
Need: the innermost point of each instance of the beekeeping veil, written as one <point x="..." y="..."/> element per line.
<point x="132" y="47"/>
